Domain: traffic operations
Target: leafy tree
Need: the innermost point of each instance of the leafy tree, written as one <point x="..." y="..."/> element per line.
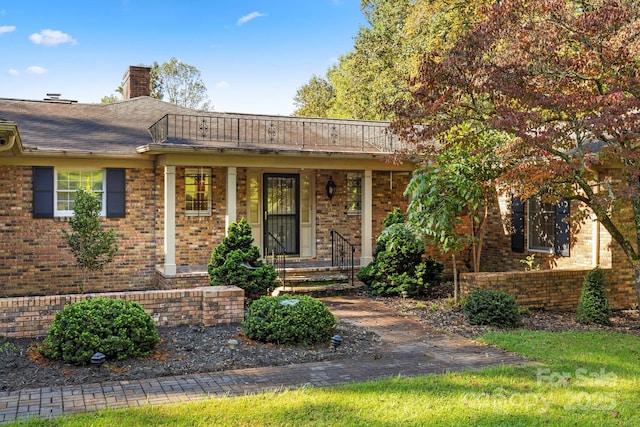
<point x="108" y="99"/>
<point x="92" y="246"/>
<point x="561" y="79"/>
<point x="314" y="99"/>
<point x="369" y="79"/>
<point x="114" y="97"/>
<point x="180" y="83"/>
<point x="373" y="76"/>
<point x="457" y="182"/>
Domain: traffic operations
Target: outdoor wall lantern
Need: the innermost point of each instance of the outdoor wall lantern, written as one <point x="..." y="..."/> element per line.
<point x="331" y="188"/>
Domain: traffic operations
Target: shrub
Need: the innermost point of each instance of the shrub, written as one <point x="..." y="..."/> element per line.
<point x="593" y="306"/>
<point x="491" y="307"/>
<point x="230" y="260"/>
<point x="119" y="329"/>
<point x="290" y="320"/>
<point x="398" y="266"/>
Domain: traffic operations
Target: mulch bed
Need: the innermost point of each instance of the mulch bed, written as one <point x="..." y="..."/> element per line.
<point x="190" y="349"/>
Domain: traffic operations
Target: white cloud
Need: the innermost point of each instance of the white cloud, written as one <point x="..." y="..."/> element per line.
<point x="14" y="72"/>
<point x="249" y="17"/>
<point x="51" y="38"/>
<point x="34" y="69"/>
<point x="7" y="29"/>
<point x="222" y="84"/>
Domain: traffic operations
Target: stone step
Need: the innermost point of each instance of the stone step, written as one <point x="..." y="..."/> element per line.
<point x="320" y="290"/>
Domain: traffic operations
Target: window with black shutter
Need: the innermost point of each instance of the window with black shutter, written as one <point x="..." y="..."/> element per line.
<point x="54" y="190"/>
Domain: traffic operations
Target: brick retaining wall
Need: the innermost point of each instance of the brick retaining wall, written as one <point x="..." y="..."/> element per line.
<point x="209" y="306"/>
<point x="549" y="289"/>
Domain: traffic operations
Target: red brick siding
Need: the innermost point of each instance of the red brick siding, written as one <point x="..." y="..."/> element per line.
<point x="549" y="289"/>
<point x="497" y="253"/>
<point x="35" y="258"/>
<point x="387" y="193"/>
<point x="196" y="237"/>
<point x="209" y="306"/>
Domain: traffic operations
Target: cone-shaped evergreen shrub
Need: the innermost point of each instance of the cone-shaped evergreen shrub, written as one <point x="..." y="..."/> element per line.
<point x="236" y="262"/>
<point x="593" y="306"/>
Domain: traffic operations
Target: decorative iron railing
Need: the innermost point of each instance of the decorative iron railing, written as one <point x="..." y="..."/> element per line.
<point x="342" y="254"/>
<point x="275" y="253"/>
<point x="292" y="132"/>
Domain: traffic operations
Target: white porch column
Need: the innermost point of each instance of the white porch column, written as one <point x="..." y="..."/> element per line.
<point x="170" y="220"/>
<point x="366" y="254"/>
<point x="231" y="216"/>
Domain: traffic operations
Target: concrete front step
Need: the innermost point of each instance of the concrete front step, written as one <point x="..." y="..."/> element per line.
<point x="298" y="278"/>
<point x="320" y="290"/>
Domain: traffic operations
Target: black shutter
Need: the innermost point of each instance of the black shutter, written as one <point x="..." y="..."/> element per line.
<point x="42" y="192"/>
<point x="116" y="185"/>
<point x="517" y="225"/>
<point x="561" y="245"/>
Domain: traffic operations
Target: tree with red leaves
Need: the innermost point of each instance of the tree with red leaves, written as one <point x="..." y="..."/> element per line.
<point x="561" y="80"/>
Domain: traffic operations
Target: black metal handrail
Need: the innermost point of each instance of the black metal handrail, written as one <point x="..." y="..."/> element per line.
<point x="295" y="132"/>
<point x="341" y="256"/>
<point x="276" y="251"/>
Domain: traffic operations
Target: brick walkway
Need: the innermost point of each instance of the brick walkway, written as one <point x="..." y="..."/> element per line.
<point x="408" y="348"/>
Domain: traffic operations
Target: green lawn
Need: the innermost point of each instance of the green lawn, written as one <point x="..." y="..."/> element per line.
<point x="581" y="379"/>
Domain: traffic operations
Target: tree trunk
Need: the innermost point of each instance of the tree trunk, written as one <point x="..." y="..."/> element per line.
<point x="455" y="279"/>
<point x="636" y="277"/>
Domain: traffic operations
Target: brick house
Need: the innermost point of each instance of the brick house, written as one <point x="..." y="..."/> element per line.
<point x="172" y="179"/>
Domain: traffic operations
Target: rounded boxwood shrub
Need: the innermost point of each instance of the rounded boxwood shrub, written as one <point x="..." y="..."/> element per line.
<point x="290" y="320"/>
<point x="119" y="329"/>
<point x="491" y="307"/>
<point x="593" y="306"/>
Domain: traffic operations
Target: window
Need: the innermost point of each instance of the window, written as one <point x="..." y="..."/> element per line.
<point x="54" y="190"/>
<point x="547" y="226"/>
<point x="541" y="232"/>
<point x="197" y="188"/>
<point x="354" y="193"/>
<point x="69" y="181"/>
<point x="253" y="197"/>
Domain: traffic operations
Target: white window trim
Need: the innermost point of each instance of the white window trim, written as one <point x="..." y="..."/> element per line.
<point x="69" y="213"/>
<point x="209" y="173"/>
<point x="537" y="249"/>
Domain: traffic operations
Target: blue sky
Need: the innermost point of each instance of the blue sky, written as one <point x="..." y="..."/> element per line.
<point x="253" y="55"/>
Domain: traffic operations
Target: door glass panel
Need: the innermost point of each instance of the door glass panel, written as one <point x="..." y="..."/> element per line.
<point x="305" y="189"/>
<point x="254" y="201"/>
<point x="281" y="210"/>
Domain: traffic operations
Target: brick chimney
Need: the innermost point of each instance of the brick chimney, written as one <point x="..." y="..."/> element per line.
<point x="136" y="82"/>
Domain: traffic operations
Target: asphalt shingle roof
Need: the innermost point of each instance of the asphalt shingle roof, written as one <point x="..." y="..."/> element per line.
<point x="119" y="128"/>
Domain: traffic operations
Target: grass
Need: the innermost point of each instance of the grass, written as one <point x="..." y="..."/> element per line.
<point x="581" y="378"/>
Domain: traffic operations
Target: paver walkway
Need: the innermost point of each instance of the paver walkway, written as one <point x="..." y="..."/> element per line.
<point x="408" y="348"/>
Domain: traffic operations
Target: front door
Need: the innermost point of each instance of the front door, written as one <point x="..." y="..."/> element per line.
<point x="281" y="196"/>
